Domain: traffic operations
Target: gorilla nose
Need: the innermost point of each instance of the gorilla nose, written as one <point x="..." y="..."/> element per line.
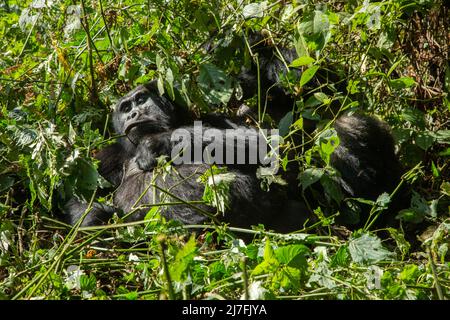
<point x="133" y="115"/>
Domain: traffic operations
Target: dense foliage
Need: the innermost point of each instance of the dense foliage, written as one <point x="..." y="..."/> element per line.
<point x="64" y="63"/>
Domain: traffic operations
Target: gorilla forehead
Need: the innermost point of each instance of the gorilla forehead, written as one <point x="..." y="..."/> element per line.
<point x="141" y="89"/>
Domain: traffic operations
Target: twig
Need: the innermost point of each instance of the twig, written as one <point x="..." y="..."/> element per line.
<point x="437" y="285"/>
<point x="85" y="24"/>
<point x="245" y="278"/>
<point x="162" y="244"/>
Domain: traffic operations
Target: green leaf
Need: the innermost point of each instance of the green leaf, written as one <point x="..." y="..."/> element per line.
<point x="341" y="258"/>
<point x="298" y="124"/>
<point x="321" y="23"/>
<point x="402" y="83"/>
<point x="269" y="264"/>
<point x="409" y="274"/>
<point x="308" y="75"/>
<point x="411" y="215"/>
<point x="293" y="256"/>
<point x="435" y="170"/>
<point x="442" y="136"/>
<point x="183" y="259"/>
<point x="254" y="10"/>
<point x="383" y="200"/>
<point x="310" y="176"/>
<point x="327" y="141"/>
<point x="88" y="283"/>
<point x="367" y="249"/>
<point x="268" y="251"/>
<point x="6" y="182"/>
<point x="400" y="240"/>
<point x="322" y="97"/>
<point x="353" y="86"/>
<point x="215" y="85"/>
<point x="425" y="139"/>
<point x="419" y="209"/>
<point x="301" y="47"/>
<point x="302" y="61"/>
<point x="169" y="80"/>
<point x="332" y="188"/>
<point x="285" y="124"/>
<point x="415" y="117"/>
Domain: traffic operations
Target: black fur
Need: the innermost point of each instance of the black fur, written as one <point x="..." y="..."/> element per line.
<point x="148" y="125"/>
<point x="365" y="159"/>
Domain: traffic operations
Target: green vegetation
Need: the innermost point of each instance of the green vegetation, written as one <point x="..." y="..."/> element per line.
<point x="63" y="64"/>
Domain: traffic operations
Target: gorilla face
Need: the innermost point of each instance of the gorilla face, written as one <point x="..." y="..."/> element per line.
<point x="141" y="112"/>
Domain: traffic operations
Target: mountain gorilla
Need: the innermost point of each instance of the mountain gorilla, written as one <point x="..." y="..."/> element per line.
<point x="148" y="120"/>
<point x="365" y="159"/>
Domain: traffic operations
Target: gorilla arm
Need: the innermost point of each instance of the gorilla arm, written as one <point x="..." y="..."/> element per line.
<point x="112" y="159"/>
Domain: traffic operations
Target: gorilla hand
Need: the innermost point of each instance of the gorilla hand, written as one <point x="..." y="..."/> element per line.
<point x="152" y="147"/>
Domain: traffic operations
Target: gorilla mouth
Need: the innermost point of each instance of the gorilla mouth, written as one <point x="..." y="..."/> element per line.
<point x="147" y="125"/>
<point x="139" y="129"/>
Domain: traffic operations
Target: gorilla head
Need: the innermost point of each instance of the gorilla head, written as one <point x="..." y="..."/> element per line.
<point x="143" y="111"/>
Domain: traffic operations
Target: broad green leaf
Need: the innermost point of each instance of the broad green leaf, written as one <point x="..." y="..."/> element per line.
<point x="341" y="258"/>
<point x="302" y="61"/>
<point x="301" y="46"/>
<point x="266" y="266"/>
<point x="415" y="117"/>
<point x="322" y="97"/>
<point x="402" y="83"/>
<point x="270" y="263"/>
<point x="400" y="240"/>
<point x="298" y="124"/>
<point x="285" y="124"/>
<point x="419" y="209"/>
<point x="321" y="23"/>
<point x="411" y="215"/>
<point x="216" y="86"/>
<point x="367" y="249"/>
<point x="6" y="182"/>
<point x="169" y="80"/>
<point x="268" y="251"/>
<point x="293" y="255"/>
<point x="383" y="200"/>
<point x="425" y="139"/>
<point x="310" y="176"/>
<point x="442" y="136"/>
<point x="332" y="188"/>
<point x="254" y="10"/>
<point x="308" y="75"/>
<point x="409" y="274"/>
<point x="183" y="259"/>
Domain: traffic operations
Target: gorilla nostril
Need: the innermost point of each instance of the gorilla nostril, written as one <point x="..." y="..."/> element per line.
<point x="134" y="114"/>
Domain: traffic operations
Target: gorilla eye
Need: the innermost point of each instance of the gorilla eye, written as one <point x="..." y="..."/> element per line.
<point x="140" y="98"/>
<point x="125" y="106"/>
